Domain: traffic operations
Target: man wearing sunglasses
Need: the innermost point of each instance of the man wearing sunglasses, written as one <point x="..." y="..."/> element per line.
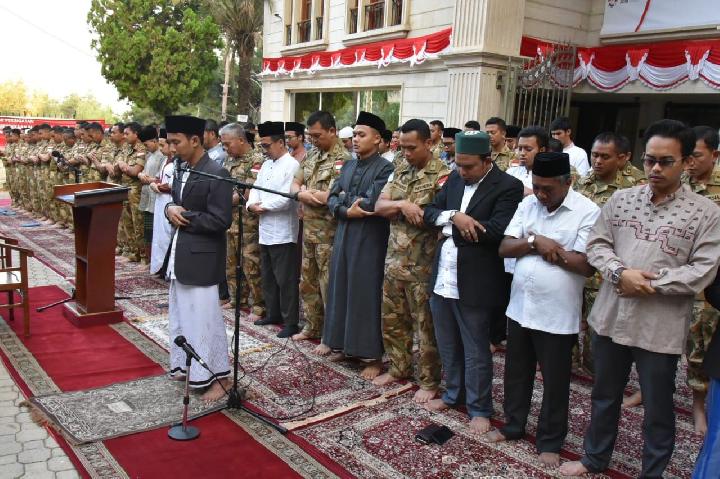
<point x="656" y="246"/>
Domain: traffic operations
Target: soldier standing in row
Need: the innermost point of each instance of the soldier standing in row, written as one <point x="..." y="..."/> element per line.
<point x="129" y="164"/>
<point x="312" y="184"/>
<point x="243" y="162"/>
<point x="502" y="155"/>
<point x="408" y="263"/>
<point x="607" y="176"/>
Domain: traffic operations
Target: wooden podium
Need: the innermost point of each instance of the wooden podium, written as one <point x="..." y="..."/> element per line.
<point x="96" y="210"/>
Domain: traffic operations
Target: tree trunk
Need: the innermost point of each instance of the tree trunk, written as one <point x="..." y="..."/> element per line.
<point x="245" y="49"/>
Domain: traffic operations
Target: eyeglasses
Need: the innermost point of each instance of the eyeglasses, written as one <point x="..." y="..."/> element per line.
<point x="265" y="146"/>
<point x="650" y="162"/>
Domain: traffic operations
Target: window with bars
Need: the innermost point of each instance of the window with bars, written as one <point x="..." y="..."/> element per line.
<point x="368" y="15"/>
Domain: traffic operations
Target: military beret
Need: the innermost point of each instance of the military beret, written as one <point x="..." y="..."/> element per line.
<point x="472" y="142"/>
<point x="189" y="125"/>
<point x="549" y="164"/>
<point x="271" y="128"/>
<point x="373" y="121"/>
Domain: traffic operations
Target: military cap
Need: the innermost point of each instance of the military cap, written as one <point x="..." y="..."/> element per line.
<point x="298" y="128"/>
<point x="271" y="128"/>
<point x="549" y="164"/>
<point x="186" y="124"/>
<point x="373" y="121"/>
<point x="451" y="132"/>
<point x="147" y="133"/>
<point x="472" y="142"/>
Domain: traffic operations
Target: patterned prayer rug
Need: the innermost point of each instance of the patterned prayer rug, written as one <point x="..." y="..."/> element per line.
<point x="119" y="409"/>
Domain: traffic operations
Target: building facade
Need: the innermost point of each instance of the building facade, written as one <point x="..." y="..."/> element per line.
<point x="450" y="59"/>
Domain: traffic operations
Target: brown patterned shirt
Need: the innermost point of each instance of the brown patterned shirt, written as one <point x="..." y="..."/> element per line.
<point x="678" y="239"/>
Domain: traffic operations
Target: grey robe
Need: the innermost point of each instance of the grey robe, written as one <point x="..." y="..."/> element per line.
<point x="352" y="314"/>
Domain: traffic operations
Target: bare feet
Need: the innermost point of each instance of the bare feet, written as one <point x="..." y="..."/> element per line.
<point x="215" y="391"/>
<point x="336" y="357"/>
<point x="436" y="405"/>
<point x="699" y="417"/>
<point x="422" y="396"/>
<point x="633" y="401"/>
<point x="573" y="468"/>
<point x="322" y="350"/>
<point x="480" y="425"/>
<point x="495" y="436"/>
<point x="384" y="379"/>
<point x="301" y="336"/>
<point x="371" y="370"/>
<point x="549" y="459"/>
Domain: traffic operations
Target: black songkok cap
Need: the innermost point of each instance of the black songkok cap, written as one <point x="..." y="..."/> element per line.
<point x="373" y="121"/>
<point x="512" y="131"/>
<point x="189" y="125"/>
<point x="549" y="164"/>
<point x="163" y="133"/>
<point x="298" y="128"/>
<point x="147" y="133"/>
<point x="271" y="128"/>
<point x="451" y="132"/>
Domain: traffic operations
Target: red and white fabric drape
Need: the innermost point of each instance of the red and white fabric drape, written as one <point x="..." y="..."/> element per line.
<point x="660" y="66"/>
<point x="380" y="54"/>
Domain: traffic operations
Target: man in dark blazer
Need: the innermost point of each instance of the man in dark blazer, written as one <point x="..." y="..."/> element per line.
<point x="201" y="212"/>
<point x="469" y="287"/>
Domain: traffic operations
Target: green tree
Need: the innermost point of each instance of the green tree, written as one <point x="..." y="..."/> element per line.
<point x="13" y="98"/>
<point x="158" y="54"/>
<point x="241" y="22"/>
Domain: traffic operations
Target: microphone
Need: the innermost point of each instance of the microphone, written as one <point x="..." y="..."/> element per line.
<point x="182" y="343"/>
<point x="177" y="162"/>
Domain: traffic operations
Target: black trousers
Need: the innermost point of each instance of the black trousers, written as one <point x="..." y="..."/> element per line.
<point x="657" y="383"/>
<point x="525" y="348"/>
<point x="280" y="281"/>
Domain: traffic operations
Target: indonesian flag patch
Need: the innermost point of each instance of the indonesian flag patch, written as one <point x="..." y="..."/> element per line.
<point x="441" y="181"/>
<point x="338" y="165"/>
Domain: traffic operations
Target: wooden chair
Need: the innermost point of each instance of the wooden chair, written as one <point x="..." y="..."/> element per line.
<point x="15" y="278"/>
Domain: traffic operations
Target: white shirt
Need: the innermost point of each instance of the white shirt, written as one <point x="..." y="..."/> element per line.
<point x="279" y="224"/>
<point x="578" y="159"/>
<point x="170" y="274"/>
<point x="522" y="174"/>
<point x="217" y="154"/>
<point x="543" y="296"/>
<point x="446" y="281"/>
<point x="389" y="155"/>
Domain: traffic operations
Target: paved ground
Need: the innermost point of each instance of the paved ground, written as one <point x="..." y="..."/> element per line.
<point x="26" y="449"/>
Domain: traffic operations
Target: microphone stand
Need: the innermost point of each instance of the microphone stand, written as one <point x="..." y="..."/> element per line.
<point x="235" y="396"/>
<point x="183" y="432"/>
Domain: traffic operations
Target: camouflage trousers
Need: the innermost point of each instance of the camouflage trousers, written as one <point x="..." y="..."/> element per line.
<point x="406" y="309"/>
<point x="582" y="351"/>
<point x="252" y="284"/>
<point x="35" y="189"/>
<point x="314" y="277"/>
<point x="702" y="327"/>
<point x="132" y="222"/>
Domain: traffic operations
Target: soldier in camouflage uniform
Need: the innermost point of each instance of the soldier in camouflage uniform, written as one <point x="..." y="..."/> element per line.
<point x="312" y="182"/>
<point x="408" y="263"/>
<point x="96" y="142"/>
<point x="243" y="162"/>
<point x="704" y="179"/>
<point x="436" y="134"/>
<point x="609" y="174"/>
<point x="503" y="156"/>
<point x="132" y="163"/>
<point x="10" y="165"/>
<point x="21" y="155"/>
<point x="109" y="156"/>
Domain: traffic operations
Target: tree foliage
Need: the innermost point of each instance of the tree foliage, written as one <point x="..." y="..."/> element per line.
<point x="158" y="54"/>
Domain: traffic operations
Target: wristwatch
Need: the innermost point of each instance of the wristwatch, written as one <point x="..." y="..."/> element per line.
<point x="531" y="241"/>
<point x="615" y="275"/>
<point x="453" y="213"/>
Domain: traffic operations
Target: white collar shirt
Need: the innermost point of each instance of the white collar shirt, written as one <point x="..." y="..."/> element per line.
<point x="217" y="154"/>
<point x="543" y="296"/>
<point x="522" y="174"/>
<point x="578" y="159"/>
<point x="279" y="224"/>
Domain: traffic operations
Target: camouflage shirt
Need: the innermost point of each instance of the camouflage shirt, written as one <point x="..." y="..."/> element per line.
<point x="411" y="249"/>
<point x="503" y="159"/>
<point x="245" y="169"/>
<point x="133" y="155"/>
<point x="317" y="173"/>
<point x="437" y="149"/>
<point x="600" y="192"/>
<point x="709" y="189"/>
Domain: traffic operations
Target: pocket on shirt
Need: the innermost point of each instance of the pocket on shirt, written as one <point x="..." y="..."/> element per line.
<point x="566" y="238"/>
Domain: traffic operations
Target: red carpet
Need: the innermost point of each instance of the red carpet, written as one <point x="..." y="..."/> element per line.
<point x="92" y="357"/>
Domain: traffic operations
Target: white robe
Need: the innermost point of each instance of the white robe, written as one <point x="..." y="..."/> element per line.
<point x="162" y="229"/>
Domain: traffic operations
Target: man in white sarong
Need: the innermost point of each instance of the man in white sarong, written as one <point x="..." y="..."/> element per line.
<point x="201" y="211"/>
<point x="162" y="229"/>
